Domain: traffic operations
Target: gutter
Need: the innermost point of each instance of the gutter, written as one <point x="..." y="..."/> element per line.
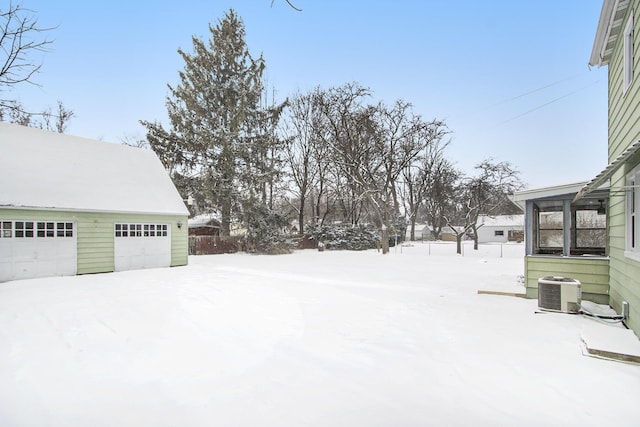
<point x="605" y="23"/>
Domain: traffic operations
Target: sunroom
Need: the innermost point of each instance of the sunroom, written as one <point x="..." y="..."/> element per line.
<point x="566" y="238"/>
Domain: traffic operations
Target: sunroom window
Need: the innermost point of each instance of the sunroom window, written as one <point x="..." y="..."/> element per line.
<point x="580" y="231"/>
<point x="590" y="232"/>
<point x="550" y="232"/>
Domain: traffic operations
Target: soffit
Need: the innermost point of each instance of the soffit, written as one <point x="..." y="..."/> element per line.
<point x="609" y="28"/>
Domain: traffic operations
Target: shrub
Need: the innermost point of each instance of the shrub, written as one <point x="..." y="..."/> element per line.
<point x="345" y="237"/>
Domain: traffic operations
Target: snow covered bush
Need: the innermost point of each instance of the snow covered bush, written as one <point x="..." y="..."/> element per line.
<point x="345" y="237"/>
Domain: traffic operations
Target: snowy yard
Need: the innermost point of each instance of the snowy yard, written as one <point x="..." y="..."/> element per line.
<point x="312" y="338"/>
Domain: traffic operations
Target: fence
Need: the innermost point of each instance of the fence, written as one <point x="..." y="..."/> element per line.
<point x="491" y="250"/>
<point x="210" y="245"/>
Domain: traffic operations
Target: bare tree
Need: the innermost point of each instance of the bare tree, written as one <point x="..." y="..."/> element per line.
<point x="58" y="120"/>
<point x="485" y="194"/>
<point x="441" y="179"/>
<point x="343" y="121"/>
<point x="405" y="136"/>
<point x="13" y="112"/>
<point x="323" y="202"/>
<point x="135" y="141"/>
<point x="490" y="190"/>
<point x="289" y="3"/>
<point x="422" y="179"/>
<point x="462" y="211"/>
<point x="300" y="149"/>
<point x="372" y="145"/>
<point x="19" y="40"/>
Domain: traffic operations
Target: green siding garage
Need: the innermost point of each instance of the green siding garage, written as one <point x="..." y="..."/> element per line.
<point x="70" y="205"/>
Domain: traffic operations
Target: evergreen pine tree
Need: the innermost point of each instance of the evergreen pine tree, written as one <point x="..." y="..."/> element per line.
<point x="212" y="112"/>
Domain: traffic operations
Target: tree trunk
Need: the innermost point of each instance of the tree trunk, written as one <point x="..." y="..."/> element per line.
<point x="459" y="243"/>
<point x="413" y="229"/>
<point x="318" y="219"/>
<point x="384" y="233"/>
<point x="225" y="219"/>
<point x="437" y="233"/>
<point x="475" y="238"/>
<point x="301" y="216"/>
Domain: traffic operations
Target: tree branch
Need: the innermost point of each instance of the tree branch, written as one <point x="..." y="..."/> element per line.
<point x="17" y="27"/>
<point x="290" y="4"/>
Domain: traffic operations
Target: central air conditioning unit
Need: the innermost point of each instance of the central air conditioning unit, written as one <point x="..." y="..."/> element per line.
<point x="560" y="294"/>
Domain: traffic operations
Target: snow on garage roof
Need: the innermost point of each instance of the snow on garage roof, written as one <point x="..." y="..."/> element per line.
<point x="48" y="170"/>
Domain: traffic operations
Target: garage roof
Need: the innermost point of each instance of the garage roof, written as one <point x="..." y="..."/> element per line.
<point x="42" y="169"/>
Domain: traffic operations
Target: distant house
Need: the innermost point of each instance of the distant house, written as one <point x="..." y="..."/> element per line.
<point x="204" y="225"/>
<point x="500" y="228"/>
<point x="422" y="232"/>
<point x="205" y="238"/>
<point x="447" y="233"/>
<point x="71" y="205"/>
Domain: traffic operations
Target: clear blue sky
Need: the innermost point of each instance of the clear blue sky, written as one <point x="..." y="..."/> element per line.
<point x="475" y="64"/>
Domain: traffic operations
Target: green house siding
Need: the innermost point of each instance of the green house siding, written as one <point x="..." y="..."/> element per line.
<point x="95" y="243"/>
<point x="593" y="274"/>
<point x="95" y="234"/>
<point x="624" y="271"/>
<point x="624" y="130"/>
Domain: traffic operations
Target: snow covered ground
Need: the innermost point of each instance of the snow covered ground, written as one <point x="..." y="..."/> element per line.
<point x="308" y="339"/>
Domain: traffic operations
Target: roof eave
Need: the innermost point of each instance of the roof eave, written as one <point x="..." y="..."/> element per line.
<point x="545" y="192"/>
<point x="609" y="26"/>
<point x="181" y="213"/>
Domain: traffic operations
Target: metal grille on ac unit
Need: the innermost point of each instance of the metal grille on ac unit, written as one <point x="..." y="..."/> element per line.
<point x="561" y="294"/>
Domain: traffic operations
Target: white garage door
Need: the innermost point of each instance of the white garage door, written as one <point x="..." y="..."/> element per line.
<point x="141" y="246"/>
<point x="37" y="249"/>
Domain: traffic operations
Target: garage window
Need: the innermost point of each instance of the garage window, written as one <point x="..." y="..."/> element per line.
<point x="39" y="229"/>
<point x="141" y="230"/>
<point x="64" y="229"/>
<point x="24" y="229"/>
<point x="7" y="229"/>
<point x="135" y="230"/>
<point x="46" y="229"/>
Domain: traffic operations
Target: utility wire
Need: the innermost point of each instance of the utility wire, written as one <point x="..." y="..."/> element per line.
<point x="504" y="101"/>
<point x="548" y="103"/>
